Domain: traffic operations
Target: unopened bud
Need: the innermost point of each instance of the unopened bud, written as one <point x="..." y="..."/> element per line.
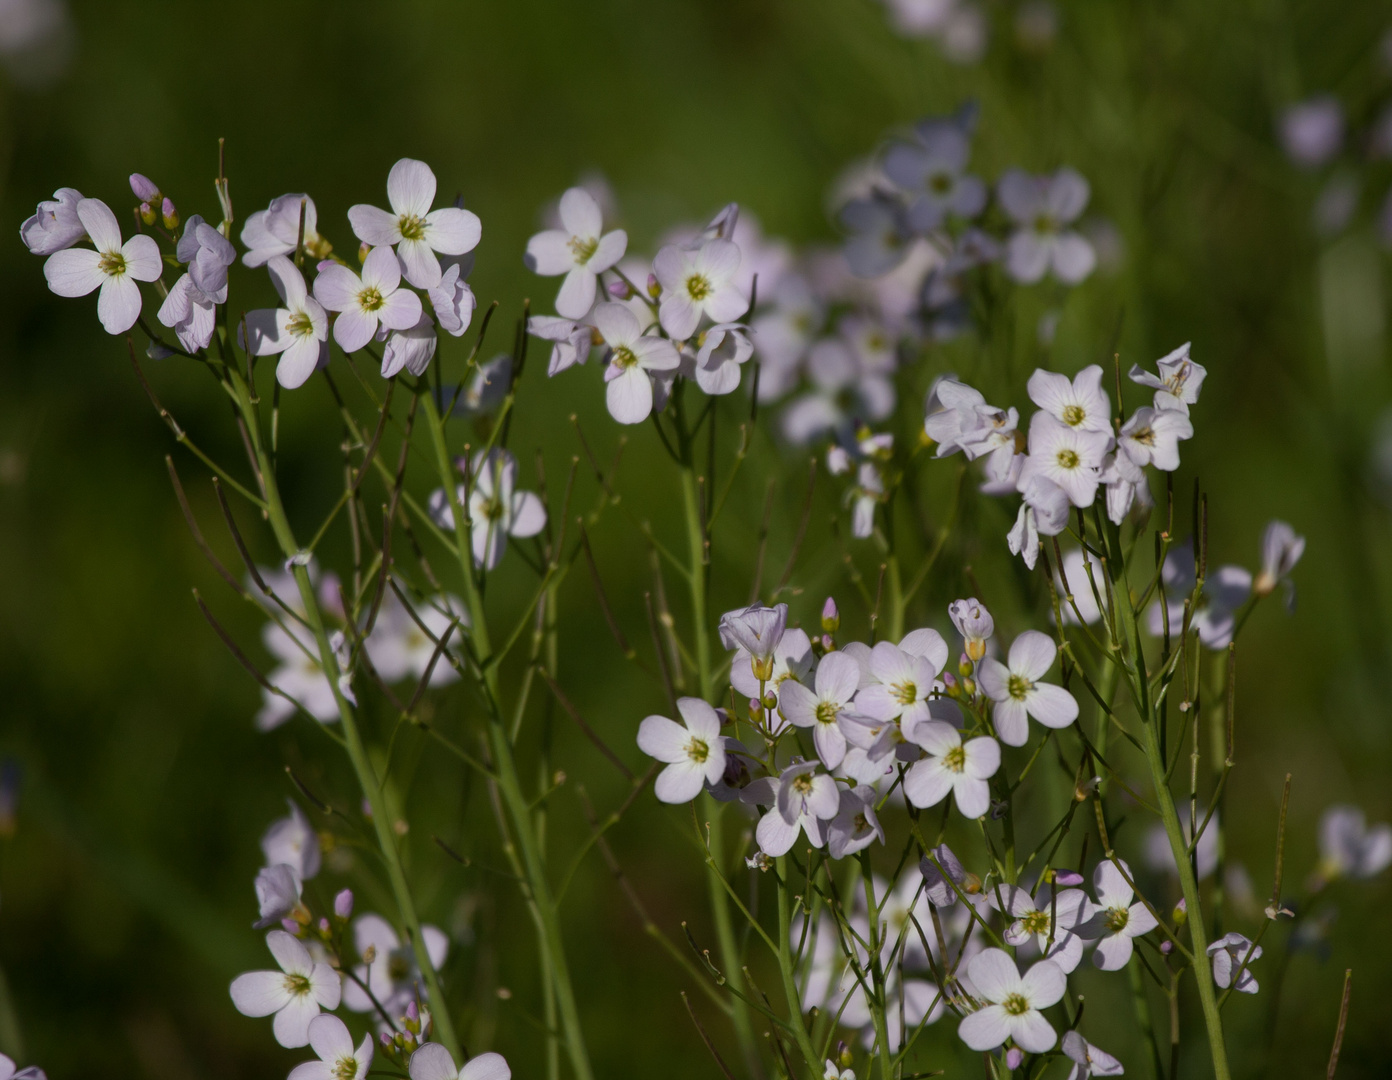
<point x="1067" y="878"/>
<point x="169" y="214"/>
<point x="343" y="904"/>
<point x="964" y="665"/>
<point x="1166" y="947"/>
<point x="148" y="213"/>
<point x="291" y="926"/>
<point x="619" y="290"/>
<point x="1180" y="915"/>
<point x="144" y="188"/>
<point x="831" y="616"/>
<point x="828" y="643"/>
<point x="654" y="289"/>
<point x="386" y="1039"/>
<point x="844" y="1055"/>
<point x="323" y="925"/>
<point x="504" y="994"/>
<point x="369" y="954"/>
<point x="969" y="687"/>
<point x="976" y="648"/>
<point x="770" y="700"/>
<point x="1013" y="1057"/>
<point x="762" y="667"/>
<point x="363" y="250"/>
<point x="971" y="884"/>
<point x="949" y="681"/>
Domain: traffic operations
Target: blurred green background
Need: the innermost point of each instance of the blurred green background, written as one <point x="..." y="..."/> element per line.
<point x="125" y="874"/>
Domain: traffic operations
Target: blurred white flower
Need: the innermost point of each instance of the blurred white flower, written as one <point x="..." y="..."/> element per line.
<point x="1042" y="207"/>
<point x="1312" y="131"/>
<point x="579" y="249"/>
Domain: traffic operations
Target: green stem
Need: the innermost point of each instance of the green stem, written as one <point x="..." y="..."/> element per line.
<point x="785" y="969"/>
<point x="896" y="599"/>
<point x="877" y="1009"/>
<point x="505" y="764"/>
<point x="352" y="737"/>
<point x="1174" y="832"/>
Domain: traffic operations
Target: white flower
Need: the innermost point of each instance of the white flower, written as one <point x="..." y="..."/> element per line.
<point x="300" y="675"/>
<point x="1070" y="457"/>
<point x="698" y="282"/>
<point x="695" y="754"/>
<point x="1014" y="1002"/>
<point x="207" y="254"/>
<point x="299" y="331"/>
<point x="1117" y="921"/>
<point x="277" y="894"/>
<point x="433" y="1062"/>
<point x="1087" y="1059"/>
<point x="1018" y="693"/>
<point x="1125" y="483"/>
<point x="7" y="1071"/>
<point x="843" y="390"/>
<point x="1228" y="954"/>
<point x="721" y="350"/>
<point x="295" y="993"/>
<point x="952" y="766"/>
<point x="570" y="341"/>
<point x="834" y="1072"/>
<point x="1041" y="207"/>
<point x="292" y="841"/>
<point x="838" y="677"/>
<point x="453" y="299"/>
<point x="1074" y="579"/>
<point x="1313" y="130"/>
<point x="1056" y="920"/>
<point x="392" y="977"/>
<point x="902" y="690"/>
<point x="974" y="623"/>
<point x="410" y="349"/>
<point x="1348" y="848"/>
<point x="855" y="826"/>
<point x="879" y="234"/>
<point x="189" y="313"/>
<point x="113" y="267"/>
<point x="933" y="171"/>
<point x="276" y="230"/>
<point x="365" y="302"/>
<point x="783" y="335"/>
<point x="800" y="798"/>
<point x="416" y="231"/>
<point x="338" y="1060"/>
<point x="1044" y="512"/>
<point x="399" y="648"/>
<point x="1225" y="590"/>
<point x="496" y="509"/>
<point x="867" y="494"/>
<point x="1160" y="856"/>
<point x="632" y="356"/>
<point x="577" y="250"/>
<point x="1281" y="550"/>
<point x="1151" y="437"/>
<point x="55" y="224"/>
<point x="1080" y="403"/>
<point x="487" y="387"/>
<point x="1179" y="382"/>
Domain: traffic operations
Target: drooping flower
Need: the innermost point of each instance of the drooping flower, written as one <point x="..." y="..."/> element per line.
<point x="1229" y="954"/>
<point x="298" y="332"/>
<point x="338" y="1059"/>
<point x="1017" y="692"/>
<point x="570" y="341"/>
<point x="277" y="894"/>
<point x="974" y="623"/>
<point x="292" y="841"/>
<point x="1077" y="403"/>
<point x="757" y="630"/>
<point x="1088" y="1060"/>
<point x="1044" y="512"/>
<point x="1117" y="922"/>
<point x="1152" y="437"/>
<point x="800" y="800"/>
<point x="1281" y="550"/>
<point x="415" y="230"/>
<point x="721" y="350"/>
<point x="433" y="1062"/>
<point x="1042" y="208"/>
<point x="579" y="249"/>
<point x="694" y="753"/>
<point x="821" y="709"/>
<point x="392" y="977"/>
<point x="363" y="303"/>
<point x="952" y="766"/>
<point x="453" y="299"/>
<point x="632" y="357"/>
<point x="1179" y="382"/>
<point x="113" y="267"/>
<point x="698" y="282"/>
<point x="54" y="225"/>
<point x="410" y="350"/>
<point x="276" y="230"/>
<point x="295" y="994"/>
<point x="791" y="658"/>
<point x="1013" y="1003"/>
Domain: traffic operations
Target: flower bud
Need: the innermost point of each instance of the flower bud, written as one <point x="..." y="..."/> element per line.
<point x="291" y="926"/>
<point x="1166" y="947"/>
<point x="363" y="250"/>
<point x="1067" y="878"/>
<point x="144" y="188"/>
<point x="148" y="214"/>
<point x="324" y="926"/>
<point x="343" y="904"/>
<point x="654" y="289"/>
<point x="828" y="643"/>
<point x="169" y="215"/>
<point x="1013" y="1057"/>
<point x="762" y="667"/>
<point x="770" y="700"/>
<point x="964" y="665"/>
<point x="1180" y="915"/>
<point x="369" y="954"/>
<point x="969" y="687"/>
<point x="831" y="616"/>
<point x="843" y="1055"/>
<point x="619" y="290"/>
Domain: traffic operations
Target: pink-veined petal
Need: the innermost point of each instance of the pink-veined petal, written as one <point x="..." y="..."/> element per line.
<point x="838" y="677"/>
<point x="373" y="225"/>
<point x="118" y="304"/>
<point x="74" y="271"/>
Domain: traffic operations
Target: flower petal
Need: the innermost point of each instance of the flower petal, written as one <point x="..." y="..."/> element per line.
<point x="577" y="294"/>
<point x="1043" y="984"/>
<point x="680" y="782"/>
<point x="411" y="187"/>
<point x="100" y="223"/>
<point x="372" y="225"/>
<point x="452" y="230"/>
<point x="260" y="993"/>
<point x="927" y="783"/>
<point x="485" y="1067"/>
<point x="432" y="1062"/>
<point x="1032" y="654"/>
<point x="74" y="271"/>
<point x="142" y="257"/>
<point x="994" y="974"/>
<point x="1052" y="706"/>
<point x="663" y="739"/>
<point x="630" y="396"/>
<point x="1032" y="1033"/>
<point x="986" y="1028"/>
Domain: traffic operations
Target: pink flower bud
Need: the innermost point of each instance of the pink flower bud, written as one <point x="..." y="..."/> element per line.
<point x="386" y="1040"/>
<point x="619" y="290"/>
<point x="343" y="904"/>
<point x="363" y="249"/>
<point x="169" y="214"/>
<point x="831" y="616"/>
<point x="654" y="289"/>
<point x="1166" y="947"/>
<point x="1013" y="1057"/>
<point x="323" y="926"/>
<point x="144" y="188"/>
<point x="828" y="643"/>
<point x="1067" y="878"/>
<point x="412" y="1012"/>
<point x="148" y="213"/>
<point x="291" y="926"/>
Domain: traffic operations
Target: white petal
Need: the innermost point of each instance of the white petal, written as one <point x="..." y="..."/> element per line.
<point x="986" y="1028"/>
<point x="983" y="757"/>
<point x="680" y="782"/>
<point x="100" y="223"/>
<point x="1052" y="706"/>
<point x="774" y="835"/>
<point x="380" y="270"/>
<point x="300" y="361"/>
<point x="973" y="796"/>
<point x="630" y="397"/>
<point x="337" y="287"/>
<point x="401" y="310"/>
<point x="73" y="271"/>
<point x="549" y="253"/>
<point x="291" y="1025"/>
<point x="259" y="993"/>
<point x="994" y="974"/>
<point x="118" y="304"/>
<point x="418" y="263"/>
<point x="1113" y="953"/>
<point x="927" y="783"/>
<point x="1073" y="258"/>
<point x="484" y="1067"/>
<point x="432" y="1062"/>
<point x="329" y="1037"/>
<point x="1033" y="1033"/>
<point x="1043" y="984"/>
<point x="611" y="249"/>
<point x="577" y="293"/>
<point x="353" y="329"/>
<point x="797" y="703"/>
<point x="1032" y="654"/>
<point x="678" y="315"/>
<point x="373" y="225"/>
<point x="1012" y="722"/>
<point x="411" y="187"/>
<point x="452" y="230"/>
<point x="580" y="214"/>
<point x="663" y="739"/>
<point x="528" y="514"/>
<point x="142" y="258"/>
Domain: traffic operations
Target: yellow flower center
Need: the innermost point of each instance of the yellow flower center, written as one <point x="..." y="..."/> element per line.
<point x="112" y="263"/>
<point x="906" y="693"/>
<point x="698" y="286"/>
<point x="1068" y="459"/>
<point x="624" y="357"/>
<point x="1018" y="687"/>
<point x="1073" y="415"/>
<point x="1036" y="922"/>
<point x="802" y="784"/>
<point x="412" y="227"/>
<point x="827" y="712"/>
<point x="370" y="299"/>
<point x="955" y="759"/>
<point x="300" y="324"/>
<point x="345" y="1068"/>
<point x="1015" y="1004"/>
<point x="1117" y="918"/>
<point x="583" y="248"/>
<point x="697" y="750"/>
<point x="297" y="985"/>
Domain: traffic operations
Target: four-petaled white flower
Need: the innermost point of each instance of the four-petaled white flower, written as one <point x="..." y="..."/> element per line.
<point x="698" y="282"/>
<point x="1087" y="1059"/>
<point x="838" y="677"/>
<point x="952" y="766"/>
<point x="55" y="224"/>
<point x="1042" y="207"/>
<point x="695" y="753"/>
<point x="1348" y="848"/>
<point x="933" y="171"/>
<point x="363" y="303"/>
<point x="295" y="993"/>
<point x="293" y="842"/>
<point x="276" y="230"/>
<point x="1013" y="1002"/>
<point x="800" y="799"/>
<point x="903" y="688"/>
<point x="1151" y="437"/>
<point x="392" y="977"/>
<point x="1179" y="382"/>
<point x="1056" y="919"/>
<point x="433" y="1062"/>
<point x="416" y="231"/>
<point x="1230" y="953"/>
<point x="338" y="1059"/>
<point x="1017" y="692"/>
<point x="398" y="646"/>
<point x="580" y="250"/>
<point x="1072" y="458"/>
<point x="497" y="509"/>
<point x="1077" y="403"/>
<point x="300" y="675"/>
<point x="1116" y="921"/>
<point x="299" y="331"/>
<point x="632" y="357"/>
<point x="113" y="267"/>
<point x="835" y="1072"/>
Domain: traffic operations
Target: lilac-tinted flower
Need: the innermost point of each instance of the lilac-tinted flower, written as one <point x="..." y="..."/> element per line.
<point x="821" y="709"/>
<point x="792" y="658"/>
<point x="632" y="359"/>
<point x="277" y="894"/>
<point x="113" y="267"/>
<point x="415" y="230"/>
<point x="879" y="234"/>
<point x="1056" y="919"/>
<point x="364" y="303"/>
<point x="338" y="1059"/>
<point x="1179" y="382"/>
<point x="1070" y="457"/>
<point x="276" y="230"/>
<point x="410" y="349"/>
<point x="295" y="994"/>
<point x="1152" y="437"/>
<point x="721" y="350"/>
<point x="292" y="841"/>
<point x="579" y="249"/>
<point x="951" y="766"/>
<point x="55" y="224"/>
<point x="1042" y="207"/>
<point x="855" y="826"/>
<point x="392" y="977"/>
<point x="698" y="282"/>
<point x="1017" y="692"/>
<point x="1312" y="131"/>
<point x="1281" y="550"/>
<point x="843" y="391"/>
<point x="694" y="753"/>
<point x="932" y="171"/>
<point x="1080" y="403"/>
<point x="1012" y="1003"/>
<point x="1228" y="954"/>
<point x="801" y="799"/>
<point x="1348" y="848"/>
<point x="299" y="331"/>
<point x="453" y="299"/>
<point x="974" y="623"/>
<point x="937" y="888"/>
<point x="433" y="1062"/>
<point x="570" y="341"/>
<point x="757" y="630"/>
<point x="1117" y="921"/>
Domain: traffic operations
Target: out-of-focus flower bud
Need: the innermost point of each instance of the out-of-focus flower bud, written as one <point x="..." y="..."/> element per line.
<point x="654" y="289"/>
<point x="343" y="904"/>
